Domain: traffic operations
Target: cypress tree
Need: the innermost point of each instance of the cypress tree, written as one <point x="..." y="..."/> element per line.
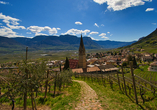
<point x="66" y="65"/>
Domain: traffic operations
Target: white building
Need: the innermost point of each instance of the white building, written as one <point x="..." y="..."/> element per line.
<point x="153" y="66"/>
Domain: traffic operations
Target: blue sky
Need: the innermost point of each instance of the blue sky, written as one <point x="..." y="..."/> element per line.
<point x="118" y="20"/>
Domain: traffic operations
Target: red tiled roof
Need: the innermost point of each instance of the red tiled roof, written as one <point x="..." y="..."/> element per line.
<point x="73" y="63"/>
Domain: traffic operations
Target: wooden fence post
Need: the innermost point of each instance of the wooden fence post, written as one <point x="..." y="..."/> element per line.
<point x="124" y="81"/>
<point x="102" y="77"/>
<point x="26" y="52"/>
<point x="91" y="77"/>
<point x="118" y="81"/>
<point x="84" y="75"/>
<point x="133" y="80"/>
<point x="0" y="91"/>
<point x="25" y="93"/>
<point x="55" y="84"/>
<point x="46" y="83"/>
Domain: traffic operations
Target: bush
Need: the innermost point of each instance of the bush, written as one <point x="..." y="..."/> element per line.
<point x="4" y="99"/>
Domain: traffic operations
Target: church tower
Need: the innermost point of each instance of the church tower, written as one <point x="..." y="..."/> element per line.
<point x="82" y="56"/>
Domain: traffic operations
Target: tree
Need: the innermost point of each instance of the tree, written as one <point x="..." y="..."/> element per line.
<point x="66" y="65"/>
<point x="134" y="62"/>
<point x="28" y="80"/>
<point x="124" y="64"/>
<point x="130" y="58"/>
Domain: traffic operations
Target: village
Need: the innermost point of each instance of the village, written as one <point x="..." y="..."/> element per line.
<point x="103" y="61"/>
<point x="108" y="61"/>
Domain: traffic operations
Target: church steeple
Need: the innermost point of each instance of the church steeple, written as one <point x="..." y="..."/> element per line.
<point x="82" y="56"/>
<point x="81" y="48"/>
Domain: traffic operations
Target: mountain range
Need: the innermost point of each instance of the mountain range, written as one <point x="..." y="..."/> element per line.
<point x="62" y="42"/>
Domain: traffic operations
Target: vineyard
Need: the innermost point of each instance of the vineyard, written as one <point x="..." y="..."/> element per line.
<point x="141" y="88"/>
<point x="35" y="84"/>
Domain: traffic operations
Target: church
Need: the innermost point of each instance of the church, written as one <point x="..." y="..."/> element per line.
<point x="81" y="62"/>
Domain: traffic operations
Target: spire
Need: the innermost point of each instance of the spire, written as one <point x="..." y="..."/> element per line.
<point x="81" y="48"/>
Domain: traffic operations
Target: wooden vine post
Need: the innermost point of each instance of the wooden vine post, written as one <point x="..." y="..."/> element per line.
<point x="46" y="83"/>
<point x="0" y="91"/>
<point x="25" y="93"/>
<point x="118" y="80"/>
<point x="133" y="80"/>
<point x="124" y="80"/>
<point x="55" y="84"/>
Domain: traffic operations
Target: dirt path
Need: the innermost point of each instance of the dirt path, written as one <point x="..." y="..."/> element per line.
<point x="89" y="99"/>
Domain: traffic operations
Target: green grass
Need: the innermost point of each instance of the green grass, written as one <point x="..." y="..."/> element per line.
<point x="116" y="99"/>
<point x="66" y="99"/>
<point x="143" y="72"/>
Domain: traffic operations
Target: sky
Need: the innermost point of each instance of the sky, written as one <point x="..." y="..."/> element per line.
<point x="116" y="20"/>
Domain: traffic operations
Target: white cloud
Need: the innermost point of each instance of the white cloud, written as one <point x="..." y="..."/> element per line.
<point x="53" y="31"/>
<point x="148" y="0"/>
<point x="78" y="23"/>
<point x="108" y="32"/>
<point x="58" y="28"/>
<point x="37" y="29"/>
<point x="100" y="1"/>
<point x="102" y="24"/>
<point x="154" y="23"/>
<point x="149" y="9"/>
<point x="117" y="5"/>
<point x="94" y="32"/>
<point x="2" y="2"/>
<point x="56" y="35"/>
<point x="86" y="31"/>
<point x="15" y="27"/>
<point x="103" y="35"/>
<point x="10" y="20"/>
<point x="37" y="34"/>
<point x="28" y="33"/>
<point x="96" y="25"/>
<point x="46" y="28"/>
<point x="94" y="39"/>
<point x="76" y="31"/>
<point x="111" y="34"/>
<point x="7" y="32"/>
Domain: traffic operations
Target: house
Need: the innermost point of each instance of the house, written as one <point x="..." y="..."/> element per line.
<point x="93" y="70"/>
<point x="108" y="68"/>
<point x="113" y="62"/>
<point x="89" y="70"/>
<point x="77" y="70"/>
<point x="142" y="50"/>
<point x="147" y="58"/>
<point x="153" y="66"/>
<point x="73" y="63"/>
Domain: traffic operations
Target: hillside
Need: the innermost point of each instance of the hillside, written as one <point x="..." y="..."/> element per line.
<point x="9" y="45"/>
<point x="149" y="43"/>
<point x="7" y="42"/>
<point x="113" y="44"/>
